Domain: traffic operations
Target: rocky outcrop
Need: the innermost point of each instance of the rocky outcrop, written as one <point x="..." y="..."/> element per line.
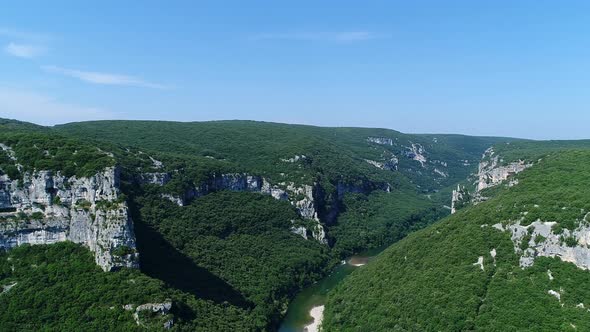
<point x="492" y="172"/>
<point x="380" y="140"/>
<point x="540" y="240"/>
<point x="389" y="164"/>
<point x="157" y="178"/>
<point x="441" y="173"/>
<point x="309" y="200"/>
<point x="11" y="155"/>
<point x="156" y="163"/>
<point x="174" y="199"/>
<point x="160" y="310"/>
<point x="294" y="159"/>
<point x="458" y="198"/>
<point x="299" y="230"/>
<point x="417" y="152"/>
<point x="45" y="208"/>
<point x="230" y="181"/>
<point x="302" y="196"/>
<point x="330" y="204"/>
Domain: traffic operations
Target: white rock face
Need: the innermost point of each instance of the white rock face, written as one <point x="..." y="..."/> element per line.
<point x="156" y="163"/>
<point x="491" y="173"/>
<point x="302" y="231"/>
<point x="7" y="288"/>
<point x="441" y="173"/>
<point x="230" y="181"/>
<point x="377" y="164"/>
<point x="81" y="210"/>
<point x="319" y="233"/>
<point x="157" y="178"/>
<point x="294" y="159"/>
<point x="554" y="293"/>
<point x="302" y="197"/>
<point x="457" y="197"/>
<point x="417" y="153"/>
<point x="390" y="164"/>
<point x="380" y="140"/>
<point x="174" y="199"/>
<point x="552" y="245"/>
<point x="11" y="155"/>
<point x="479" y="262"/>
<point x="160" y="309"/>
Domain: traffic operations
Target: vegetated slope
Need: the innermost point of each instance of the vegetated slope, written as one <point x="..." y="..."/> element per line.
<point x="360" y="160"/>
<point x="259" y="147"/>
<point x="516" y="262"/>
<point x="39" y="148"/>
<point x="231" y="248"/>
<point x="60" y="287"/>
<point x="231" y="260"/>
<point x="370" y="188"/>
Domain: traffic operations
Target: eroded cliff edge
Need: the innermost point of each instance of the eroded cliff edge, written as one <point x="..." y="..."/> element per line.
<point x="44" y="207"/>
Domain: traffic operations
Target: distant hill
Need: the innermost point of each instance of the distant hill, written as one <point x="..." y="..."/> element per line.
<point x="359" y="159"/>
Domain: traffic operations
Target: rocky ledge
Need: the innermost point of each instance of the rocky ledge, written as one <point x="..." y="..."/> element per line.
<point x="492" y="171"/>
<point x="45" y="208"/>
<point x="542" y="239"/>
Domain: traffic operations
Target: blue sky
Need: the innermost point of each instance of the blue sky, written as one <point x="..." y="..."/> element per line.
<point x="511" y="68"/>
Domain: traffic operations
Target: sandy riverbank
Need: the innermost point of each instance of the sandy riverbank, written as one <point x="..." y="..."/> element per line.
<point x="317" y="313"/>
<point x="358" y="261"/>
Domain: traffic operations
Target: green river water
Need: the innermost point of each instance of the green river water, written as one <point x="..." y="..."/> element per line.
<point x="298" y="313"/>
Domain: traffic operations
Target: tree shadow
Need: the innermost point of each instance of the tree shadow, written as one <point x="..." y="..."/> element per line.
<point x="159" y="259"/>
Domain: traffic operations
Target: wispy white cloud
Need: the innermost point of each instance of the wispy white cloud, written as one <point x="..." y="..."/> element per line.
<point x="23" y="44"/>
<point x="344" y="36"/>
<point x="43" y="109"/>
<point x="103" y="78"/>
<point x="24" y="50"/>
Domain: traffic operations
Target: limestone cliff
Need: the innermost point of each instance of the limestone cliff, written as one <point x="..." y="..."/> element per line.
<point x="542" y="239"/>
<point x="300" y="196"/>
<point x="380" y="140"/>
<point x="389" y="163"/>
<point x="492" y="172"/>
<point x="459" y="198"/>
<point x="416" y="152"/>
<point x="46" y="207"/>
<point x="309" y="200"/>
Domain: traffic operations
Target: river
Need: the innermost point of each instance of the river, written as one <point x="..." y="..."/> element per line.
<point x="298" y="314"/>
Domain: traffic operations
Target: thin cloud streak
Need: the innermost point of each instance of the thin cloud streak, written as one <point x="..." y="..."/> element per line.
<point x="24" y="50"/>
<point x="103" y="78"/>
<point x="346" y="36"/>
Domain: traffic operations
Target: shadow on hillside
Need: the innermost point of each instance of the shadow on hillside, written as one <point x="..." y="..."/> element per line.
<point x="159" y="259"/>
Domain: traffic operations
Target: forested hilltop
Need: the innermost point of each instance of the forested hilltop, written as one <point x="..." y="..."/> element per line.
<point x="515" y="257"/>
<point x="230" y="218"/>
